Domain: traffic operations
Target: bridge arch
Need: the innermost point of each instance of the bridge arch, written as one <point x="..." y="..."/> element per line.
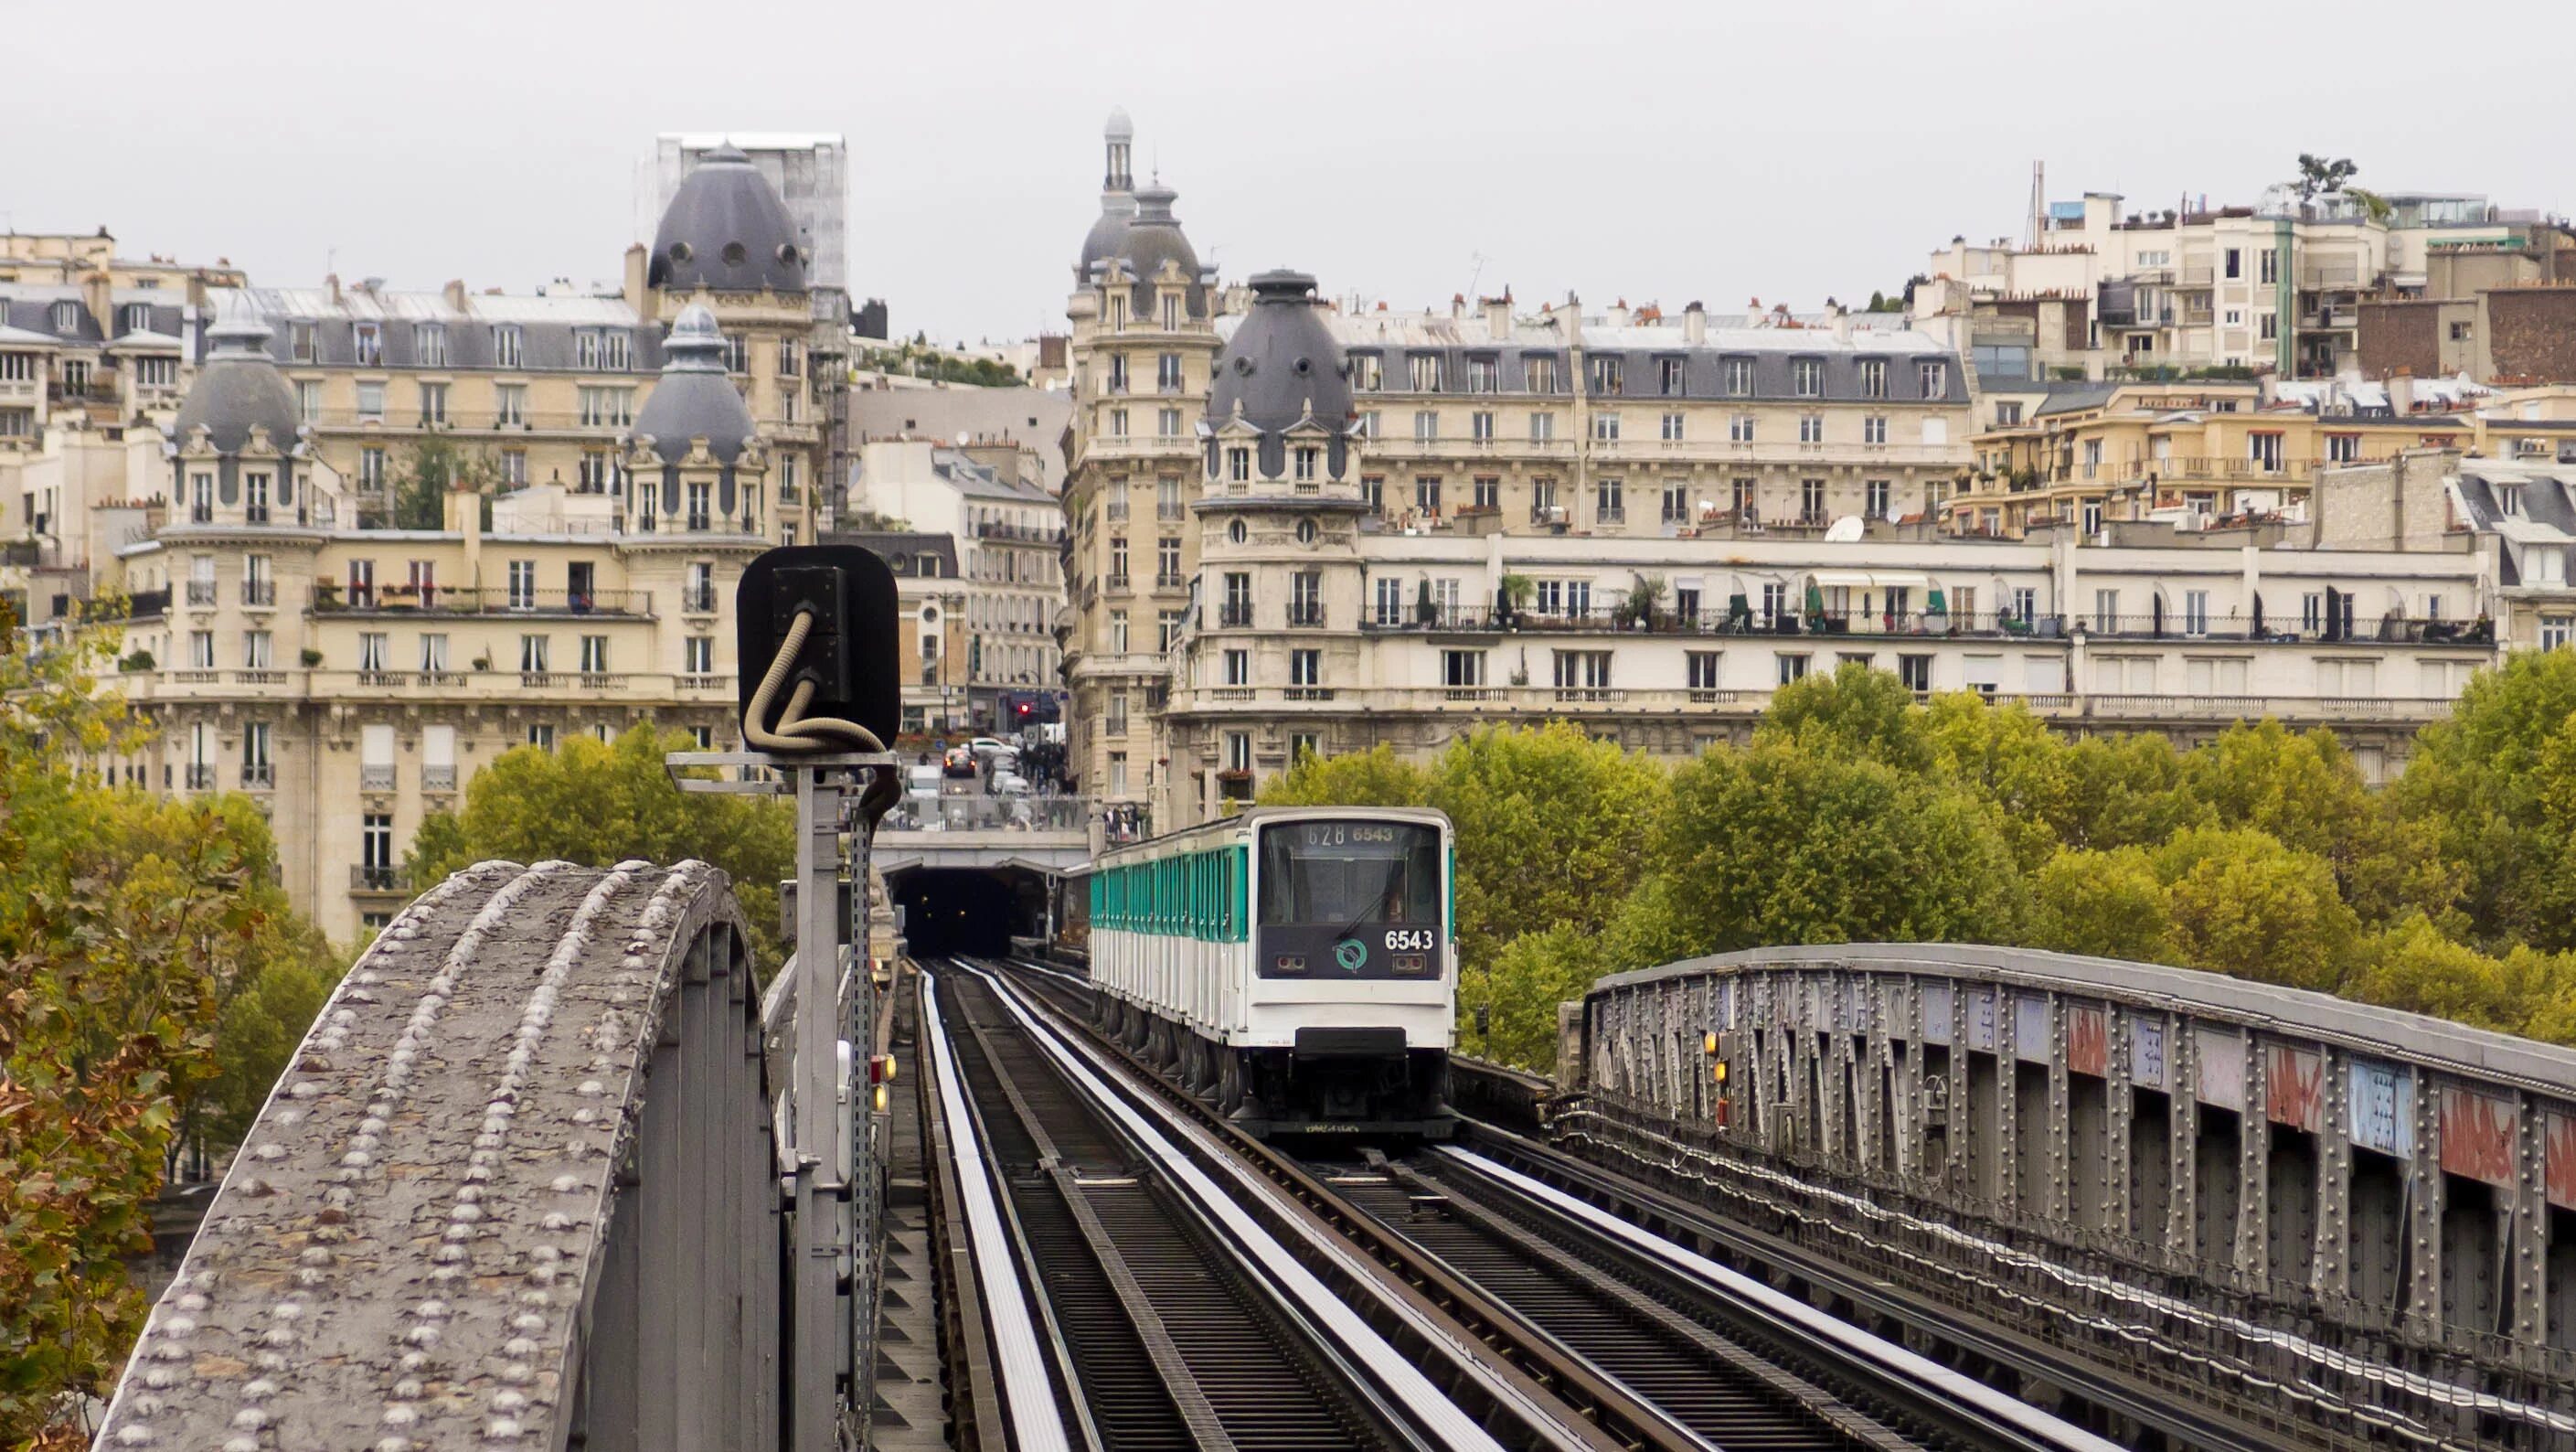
<point x="538" y="1085"/>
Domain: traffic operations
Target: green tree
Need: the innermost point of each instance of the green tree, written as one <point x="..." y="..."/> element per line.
<point x="2319" y="177"/>
<point x="1854" y="711"/>
<point x="2304" y="790"/>
<point x="125" y="925"/>
<point x="600" y="803"/>
<point x="2108" y="904"/>
<point x="2476" y="787"/>
<point x="2125" y="792"/>
<point x="1376" y="777"/>
<point x="1531" y="975"/>
<point x="2246" y="906"/>
<point x="1793" y="842"/>
<point x="1552" y="828"/>
<point x="2009" y="759"/>
<point x="428" y="472"/>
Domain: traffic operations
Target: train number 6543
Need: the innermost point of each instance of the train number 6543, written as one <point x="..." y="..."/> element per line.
<point x="1411" y="940"/>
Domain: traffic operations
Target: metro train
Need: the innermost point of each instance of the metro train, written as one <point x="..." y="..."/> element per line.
<point x="1297" y="967"/>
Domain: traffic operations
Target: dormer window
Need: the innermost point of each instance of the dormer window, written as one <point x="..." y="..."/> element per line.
<point x="2509" y="499"/>
<point x="1807" y="377"/>
<point x="1669" y="376"/>
<point x="1935" y="378"/>
<point x="1171" y="312"/>
<point x="66" y="317"/>
<point x="429" y="345"/>
<point x="1306" y="459"/>
<point x="1539" y="373"/>
<point x="505" y="346"/>
<point x="134" y="318"/>
<point x="1873" y="378"/>
<point x="368" y="343"/>
<point x="1367" y="372"/>
<point x="1737" y="374"/>
<point x="1484" y="375"/>
<point x="1426" y="370"/>
<point x="1238" y="463"/>
<point x="1606" y="374"/>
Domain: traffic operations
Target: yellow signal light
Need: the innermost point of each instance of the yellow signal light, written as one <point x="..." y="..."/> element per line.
<point x="1718" y="1071"/>
<point x="1708" y="1043"/>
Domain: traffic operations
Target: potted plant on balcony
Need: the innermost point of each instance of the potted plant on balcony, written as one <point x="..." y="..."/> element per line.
<point x="482" y="662"/>
<point x="326" y="594"/>
<point x="1637" y="612"/>
<point x="311" y="657"/>
<point x="140" y="660"/>
<point x="1517" y="591"/>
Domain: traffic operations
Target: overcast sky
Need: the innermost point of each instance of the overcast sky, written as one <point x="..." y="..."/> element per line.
<point x="1407" y="151"/>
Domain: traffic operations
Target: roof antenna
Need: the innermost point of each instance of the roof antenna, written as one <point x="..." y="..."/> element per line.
<point x="1477" y="275"/>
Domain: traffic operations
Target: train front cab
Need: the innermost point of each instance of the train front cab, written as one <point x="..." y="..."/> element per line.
<point x="1349" y="1001"/>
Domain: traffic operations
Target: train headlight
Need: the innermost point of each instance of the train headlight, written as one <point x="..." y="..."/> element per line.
<point x="1412" y="963"/>
<point x="1288" y="963"/>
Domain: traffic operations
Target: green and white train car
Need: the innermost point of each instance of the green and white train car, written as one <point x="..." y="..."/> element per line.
<point x="1295" y="965"/>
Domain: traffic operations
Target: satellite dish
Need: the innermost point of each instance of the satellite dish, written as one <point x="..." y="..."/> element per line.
<point x="1846" y="530"/>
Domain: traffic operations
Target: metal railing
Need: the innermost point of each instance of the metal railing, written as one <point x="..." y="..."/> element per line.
<point x="1234" y="615"/>
<point x="438" y="778"/>
<point x="261" y="775"/>
<point x="201" y="592"/>
<point x="376" y="778"/>
<point x="374" y="877"/>
<point x="1306" y="616"/>
<point x="259" y="594"/>
<point x="990" y="814"/>
<point x="201" y="776"/>
<point x="329" y="598"/>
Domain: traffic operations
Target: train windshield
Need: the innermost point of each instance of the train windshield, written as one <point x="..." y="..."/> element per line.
<point x="1355" y="873"/>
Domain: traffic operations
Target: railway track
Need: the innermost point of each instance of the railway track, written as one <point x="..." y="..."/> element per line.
<point x="1656" y="1345"/>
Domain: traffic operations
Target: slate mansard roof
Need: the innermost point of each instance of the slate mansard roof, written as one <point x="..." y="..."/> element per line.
<point x="548" y="328"/>
<point x="1774" y="354"/>
<point x="30" y="308"/>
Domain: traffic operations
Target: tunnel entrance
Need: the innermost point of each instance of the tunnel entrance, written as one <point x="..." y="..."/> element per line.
<point x="974" y="912"/>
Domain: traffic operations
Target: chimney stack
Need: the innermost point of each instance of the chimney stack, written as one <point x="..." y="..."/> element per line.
<point x="1842" y="322"/>
<point x="2401" y="392"/>
<point x="1753" y="313"/>
<point x="1498" y="319"/>
<point x="1694" y="324"/>
<point x="456" y="294"/>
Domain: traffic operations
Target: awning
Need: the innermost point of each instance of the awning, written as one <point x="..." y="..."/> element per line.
<point x="1870" y="580"/>
<point x="1686" y="582"/>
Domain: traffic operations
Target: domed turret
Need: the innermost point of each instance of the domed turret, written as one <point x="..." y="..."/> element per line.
<point x="239" y="386"/>
<point x="694" y="398"/>
<point x="1117" y="195"/>
<point x="726" y="229"/>
<point x="1152" y="239"/>
<point x="1281" y="371"/>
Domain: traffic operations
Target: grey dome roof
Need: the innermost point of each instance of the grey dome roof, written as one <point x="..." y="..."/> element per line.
<point x="1119" y="128"/>
<point x="694" y="398"/>
<point x="1155" y="237"/>
<point x="726" y="229"/>
<point x="239" y="386"/>
<point x="1108" y="236"/>
<point x="1280" y="367"/>
<point x="1282" y="363"/>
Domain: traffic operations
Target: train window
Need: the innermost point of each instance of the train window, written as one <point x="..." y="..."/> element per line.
<point x="1353" y="872"/>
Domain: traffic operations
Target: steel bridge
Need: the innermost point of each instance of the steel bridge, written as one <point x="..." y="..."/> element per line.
<point x="2269" y="1197"/>
<point x="532" y="1178"/>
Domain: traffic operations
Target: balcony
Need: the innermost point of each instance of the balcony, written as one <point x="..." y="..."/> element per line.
<point x="376" y="878"/>
<point x="330" y="599"/>
<point x="1169" y="582"/>
<point x="438" y="778"/>
<point x="258" y="776"/>
<point x="1308" y="616"/>
<point x="1026" y="533"/>
<point x="201" y="592"/>
<point x="698" y="600"/>
<point x="376" y="778"/>
<point x="1117" y="583"/>
<point x="201" y="776"/>
<point x="257" y="594"/>
<point x="1235" y="615"/>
